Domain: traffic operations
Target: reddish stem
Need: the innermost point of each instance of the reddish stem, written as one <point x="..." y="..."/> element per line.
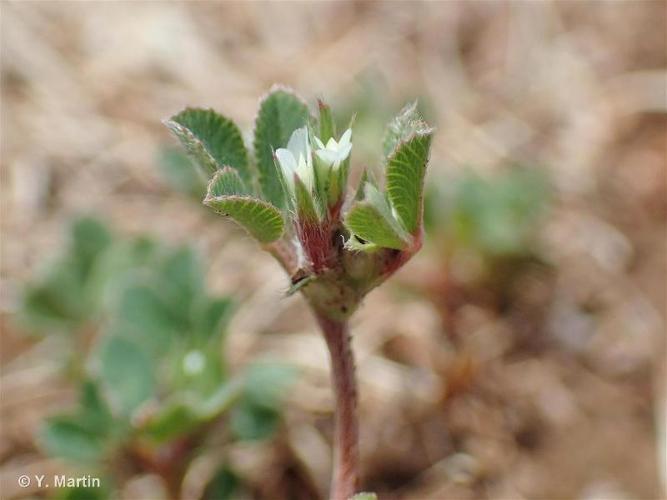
<point x="346" y="449"/>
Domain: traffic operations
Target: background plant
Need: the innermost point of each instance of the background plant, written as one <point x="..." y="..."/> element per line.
<point x="153" y="383"/>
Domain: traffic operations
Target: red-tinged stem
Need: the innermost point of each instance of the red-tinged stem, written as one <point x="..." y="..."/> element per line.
<point x="346" y="448"/>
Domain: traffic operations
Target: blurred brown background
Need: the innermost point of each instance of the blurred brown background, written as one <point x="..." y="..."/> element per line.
<point x="560" y="396"/>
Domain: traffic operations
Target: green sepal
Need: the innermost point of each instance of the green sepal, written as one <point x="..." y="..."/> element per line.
<point x="211" y="140"/>
<point x="261" y="219"/>
<point x="305" y="206"/>
<point x="281" y="112"/>
<point x="327" y="125"/>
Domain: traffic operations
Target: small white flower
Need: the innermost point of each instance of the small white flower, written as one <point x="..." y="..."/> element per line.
<point x="334" y="153"/>
<point x="297" y="159"/>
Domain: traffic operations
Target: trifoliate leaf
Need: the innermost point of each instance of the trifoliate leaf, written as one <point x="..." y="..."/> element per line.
<point x="261" y="219"/>
<point x="211" y="140"/>
<point x="405" y="178"/>
<point x="280" y="113"/>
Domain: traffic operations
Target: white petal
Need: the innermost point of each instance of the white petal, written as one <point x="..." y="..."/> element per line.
<point x="344" y="151"/>
<point x="298" y="142"/>
<point x="305" y="173"/>
<point x="332" y="144"/>
<point x="320" y="144"/>
<point x="327" y="156"/>
<point x="286" y="160"/>
<point x="345" y="138"/>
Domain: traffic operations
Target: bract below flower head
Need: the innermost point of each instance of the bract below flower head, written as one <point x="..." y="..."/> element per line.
<point x="297" y="159"/>
<point x="334" y="152"/>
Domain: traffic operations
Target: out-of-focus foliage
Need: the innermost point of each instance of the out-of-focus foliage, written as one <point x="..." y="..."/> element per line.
<point x="154" y="377"/>
<point x="494" y="216"/>
<point x="180" y="173"/>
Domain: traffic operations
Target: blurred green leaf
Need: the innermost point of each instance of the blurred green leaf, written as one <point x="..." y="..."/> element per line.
<point x="281" y="112"/>
<point x="182" y="282"/>
<point x="212" y="140"/>
<point x="253" y="423"/>
<point x="181" y="173"/>
<point x="174" y="418"/>
<point x="64" y="297"/>
<point x="142" y="314"/>
<point x="222" y="486"/>
<point x="266" y="383"/>
<point x="212" y="316"/>
<point x="69" y="438"/>
<point x="94" y="411"/>
<point x="127" y="372"/>
<point x="90" y="238"/>
<point x="497" y="216"/>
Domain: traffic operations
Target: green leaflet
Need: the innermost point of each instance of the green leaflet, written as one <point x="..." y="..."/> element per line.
<point x="261" y="219"/>
<point x="226" y="182"/>
<point x="211" y="140"/>
<point x="406" y="168"/>
<point x="372" y="221"/>
<point x="280" y="113"/>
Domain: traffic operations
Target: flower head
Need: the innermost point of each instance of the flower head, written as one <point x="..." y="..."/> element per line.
<point x="334" y="152"/>
<point x="297" y="159"/>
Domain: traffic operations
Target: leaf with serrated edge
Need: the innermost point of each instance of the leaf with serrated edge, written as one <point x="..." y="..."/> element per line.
<point x="405" y="178"/>
<point x="402" y="126"/>
<point x="261" y="219"/>
<point x="280" y="113"/>
<point x="211" y="140"/>
<point x="226" y="182"/>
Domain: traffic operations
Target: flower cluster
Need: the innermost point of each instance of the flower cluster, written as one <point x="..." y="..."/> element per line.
<point x="319" y="171"/>
<point x="314" y="180"/>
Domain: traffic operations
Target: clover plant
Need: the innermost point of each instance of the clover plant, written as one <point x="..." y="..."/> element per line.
<point x="289" y="191"/>
<point x="154" y="381"/>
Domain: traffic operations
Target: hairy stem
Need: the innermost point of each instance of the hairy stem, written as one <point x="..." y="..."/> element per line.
<point x="346" y="449"/>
